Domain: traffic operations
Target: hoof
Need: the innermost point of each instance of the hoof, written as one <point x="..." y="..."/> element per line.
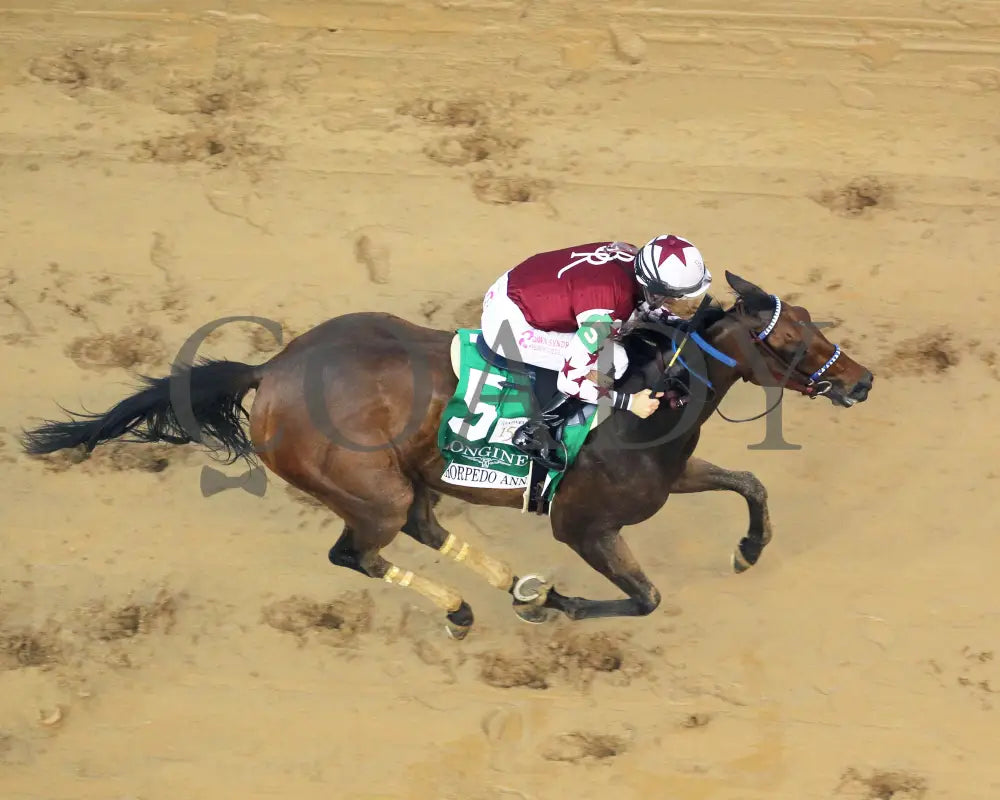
<point x="529" y="588"/>
<point x="536" y="615"/>
<point x="457" y="632"/>
<point x="459" y="621"/>
<point x="747" y="553"/>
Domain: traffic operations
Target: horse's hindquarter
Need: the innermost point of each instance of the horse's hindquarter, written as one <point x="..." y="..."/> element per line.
<point x="357" y="389"/>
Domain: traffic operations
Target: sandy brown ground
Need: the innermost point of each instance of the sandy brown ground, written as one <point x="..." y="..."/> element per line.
<point x="166" y="164"/>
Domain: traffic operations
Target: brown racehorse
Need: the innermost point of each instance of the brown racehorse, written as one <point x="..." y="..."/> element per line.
<point x="379" y="386"/>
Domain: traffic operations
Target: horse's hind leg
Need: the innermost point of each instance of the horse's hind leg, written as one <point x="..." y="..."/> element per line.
<point x="701" y="476"/>
<point x="362" y="539"/>
<point x="422" y="525"/>
<point x="354" y="551"/>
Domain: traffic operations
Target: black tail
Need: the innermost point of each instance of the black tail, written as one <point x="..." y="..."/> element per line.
<point x="215" y="390"/>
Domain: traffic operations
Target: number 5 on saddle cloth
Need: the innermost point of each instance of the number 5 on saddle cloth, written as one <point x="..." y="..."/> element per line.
<point x="493" y="398"/>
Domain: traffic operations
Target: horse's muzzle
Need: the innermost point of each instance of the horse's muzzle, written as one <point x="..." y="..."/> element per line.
<point x="861" y="389"/>
<point x="857" y="394"/>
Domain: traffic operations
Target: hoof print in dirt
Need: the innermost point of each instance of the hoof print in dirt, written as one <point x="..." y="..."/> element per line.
<point x="881" y="785"/>
<point x="855" y="197"/>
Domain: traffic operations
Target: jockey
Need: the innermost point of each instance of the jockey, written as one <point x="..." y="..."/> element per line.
<point x="561" y="307"/>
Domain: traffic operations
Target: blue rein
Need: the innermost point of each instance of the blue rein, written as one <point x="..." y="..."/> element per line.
<point x="761" y="337"/>
<point x="714" y="352"/>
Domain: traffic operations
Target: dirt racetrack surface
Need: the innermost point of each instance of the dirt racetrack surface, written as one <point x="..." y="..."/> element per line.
<point x="163" y="165"/>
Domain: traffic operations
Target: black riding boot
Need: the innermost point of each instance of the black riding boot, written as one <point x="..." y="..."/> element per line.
<point x="536" y="437"/>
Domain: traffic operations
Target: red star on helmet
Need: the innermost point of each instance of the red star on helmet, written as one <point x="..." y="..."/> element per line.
<point x="592" y="359"/>
<point x="567" y="367"/>
<point x="603" y="391"/>
<point x="579" y="381"/>
<point x="671" y="246"/>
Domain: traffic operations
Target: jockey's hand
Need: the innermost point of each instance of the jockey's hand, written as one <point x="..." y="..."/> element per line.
<point x="644" y="403"/>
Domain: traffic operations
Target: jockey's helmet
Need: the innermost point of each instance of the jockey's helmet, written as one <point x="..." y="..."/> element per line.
<point x="671" y="267"/>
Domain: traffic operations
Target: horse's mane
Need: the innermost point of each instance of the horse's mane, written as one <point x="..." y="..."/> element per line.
<point x="648" y="346"/>
<point x="649" y="342"/>
<point x="714" y="313"/>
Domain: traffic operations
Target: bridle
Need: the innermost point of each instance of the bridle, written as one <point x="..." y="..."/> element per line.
<point x="809" y="385"/>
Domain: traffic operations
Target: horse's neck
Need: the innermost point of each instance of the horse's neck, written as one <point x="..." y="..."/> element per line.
<point x="721" y="336"/>
<point x="668" y="433"/>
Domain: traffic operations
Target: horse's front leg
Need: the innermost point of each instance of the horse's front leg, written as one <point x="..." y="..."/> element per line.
<point x="607" y="553"/>
<point x="701" y="476"/>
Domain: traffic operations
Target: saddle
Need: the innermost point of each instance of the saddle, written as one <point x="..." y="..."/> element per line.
<point x="542" y="384"/>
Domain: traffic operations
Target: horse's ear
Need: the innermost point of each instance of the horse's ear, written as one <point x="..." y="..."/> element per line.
<point x="743" y="287"/>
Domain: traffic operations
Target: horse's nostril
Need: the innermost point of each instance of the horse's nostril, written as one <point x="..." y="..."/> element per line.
<point x="862" y="387"/>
